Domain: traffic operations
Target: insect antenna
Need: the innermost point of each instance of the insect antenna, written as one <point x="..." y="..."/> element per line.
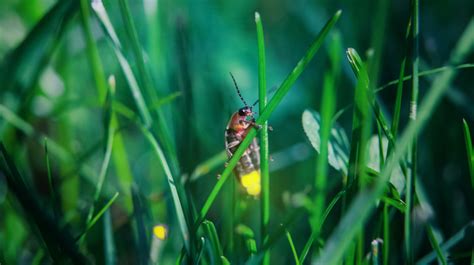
<point x="238" y="90"/>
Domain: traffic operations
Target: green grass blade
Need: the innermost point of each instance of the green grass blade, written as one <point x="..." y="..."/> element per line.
<point x="54" y="196"/>
<point x="101" y="13"/>
<point x="361" y="207"/>
<point x="313" y="236"/>
<point x="398" y="100"/>
<point x="463" y="233"/>
<point x="171" y="183"/>
<point x="96" y="217"/>
<point x="386" y="235"/>
<point x="470" y="153"/>
<point x="433" y="71"/>
<point x="264" y="156"/>
<point x="93" y="52"/>
<point x="109" y="244"/>
<point x="211" y="232"/>
<point x="328" y="106"/>
<point x="110" y="132"/>
<point x="292" y="247"/>
<point x="435" y="245"/>
<point x="147" y="85"/>
<point x="411" y="178"/>
<point x="272" y="104"/>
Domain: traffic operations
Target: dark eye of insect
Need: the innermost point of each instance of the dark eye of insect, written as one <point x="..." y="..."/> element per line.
<point x="242" y="112"/>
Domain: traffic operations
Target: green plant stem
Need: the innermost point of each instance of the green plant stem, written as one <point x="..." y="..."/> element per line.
<point x="264" y="168"/>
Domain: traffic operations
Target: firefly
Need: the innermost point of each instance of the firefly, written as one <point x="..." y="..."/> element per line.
<point x="247" y="169"/>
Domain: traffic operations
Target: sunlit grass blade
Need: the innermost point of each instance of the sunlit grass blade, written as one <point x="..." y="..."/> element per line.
<point x="101" y="13"/>
<point x="362" y="205"/>
<point x="264" y="157"/>
<point x="292" y="247"/>
<point x="272" y="104"/>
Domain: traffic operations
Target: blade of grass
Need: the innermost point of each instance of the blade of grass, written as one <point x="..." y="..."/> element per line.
<point x="398" y="100"/>
<point x="264" y="157"/>
<point x="426" y="73"/>
<point x="411" y="178"/>
<point x="328" y="106"/>
<point x="147" y="85"/>
<point x="109" y="244"/>
<point x="96" y="217"/>
<point x="360" y="209"/>
<point x="142" y="225"/>
<point x="211" y="232"/>
<point x="313" y="236"/>
<point x="448" y="244"/>
<point x="110" y="132"/>
<point x="361" y="130"/>
<point x="54" y="196"/>
<point x="93" y="52"/>
<point x="101" y="13"/>
<point x="265" y="114"/>
<point x="292" y="247"/>
<point x="171" y="183"/>
<point x="119" y="155"/>
<point x="470" y="153"/>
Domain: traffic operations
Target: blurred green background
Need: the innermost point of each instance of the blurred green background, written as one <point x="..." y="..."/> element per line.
<point x="189" y="49"/>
